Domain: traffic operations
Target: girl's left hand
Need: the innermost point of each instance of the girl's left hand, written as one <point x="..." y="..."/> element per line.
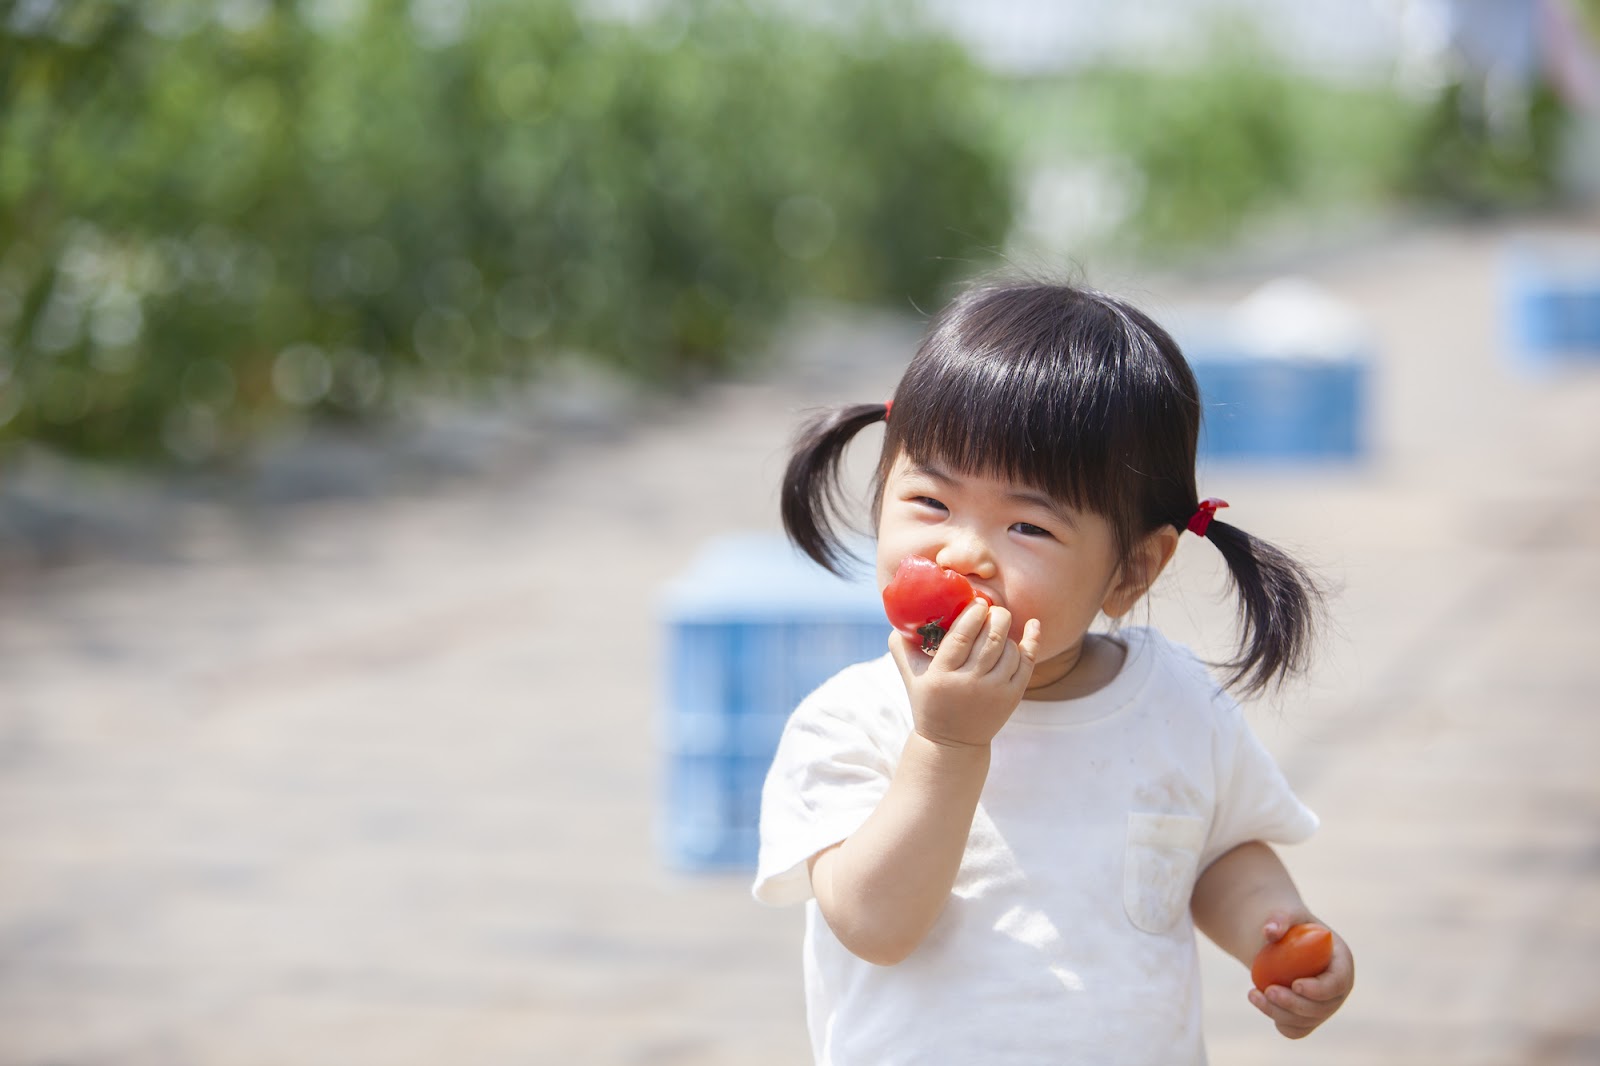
<point x="1310" y="1001"/>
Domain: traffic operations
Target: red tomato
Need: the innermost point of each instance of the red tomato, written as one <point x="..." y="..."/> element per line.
<point x="1304" y="951"/>
<point x="923" y="599"/>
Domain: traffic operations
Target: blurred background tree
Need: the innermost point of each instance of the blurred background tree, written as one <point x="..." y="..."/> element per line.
<point x="221" y="217"/>
<point x="216" y="215"/>
<point x="1181" y="154"/>
<point x="1190" y="154"/>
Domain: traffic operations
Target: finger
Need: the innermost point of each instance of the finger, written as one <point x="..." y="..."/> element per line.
<point x="1027" y="653"/>
<point x="956" y="646"/>
<point x="1294" y="1015"/>
<point x="1278" y="923"/>
<point x="1323" y="988"/>
<point x="1010" y="662"/>
<point x="1290" y="1024"/>
<point x="994" y="640"/>
<point x="1029" y="645"/>
<point x="1296" y="1005"/>
<point x="1333" y="984"/>
<point x="1019" y="661"/>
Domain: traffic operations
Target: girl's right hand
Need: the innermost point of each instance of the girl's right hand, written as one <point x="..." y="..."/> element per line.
<point x="963" y="694"/>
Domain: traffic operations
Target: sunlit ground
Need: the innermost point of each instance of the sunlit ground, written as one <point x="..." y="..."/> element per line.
<point x="376" y="779"/>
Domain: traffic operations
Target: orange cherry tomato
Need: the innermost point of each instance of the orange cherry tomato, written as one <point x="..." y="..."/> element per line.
<point x="1304" y="951"/>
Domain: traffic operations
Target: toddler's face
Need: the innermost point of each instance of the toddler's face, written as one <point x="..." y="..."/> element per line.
<point x="1027" y="553"/>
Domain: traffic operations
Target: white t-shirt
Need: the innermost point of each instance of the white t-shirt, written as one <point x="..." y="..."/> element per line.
<point x="1067" y="937"/>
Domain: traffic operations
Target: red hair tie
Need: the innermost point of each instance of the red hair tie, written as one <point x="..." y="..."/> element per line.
<point x="1201" y="521"/>
<point x="888" y="405"/>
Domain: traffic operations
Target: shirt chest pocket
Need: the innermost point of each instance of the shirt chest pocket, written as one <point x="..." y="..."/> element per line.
<point x="1162" y="856"/>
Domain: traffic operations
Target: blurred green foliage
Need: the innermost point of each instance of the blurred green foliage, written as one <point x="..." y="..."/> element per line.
<point x="1459" y="157"/>
<point x="216" y="215"/>
<point x="1207" y="146"/>
<point x="1211" y="148"/>
<point x="220" y="215"/>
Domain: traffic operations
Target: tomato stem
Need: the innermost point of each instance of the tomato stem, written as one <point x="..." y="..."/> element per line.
<point x="931" y="633"/>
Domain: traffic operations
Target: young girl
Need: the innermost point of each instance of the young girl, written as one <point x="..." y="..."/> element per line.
<point x="1005" y="846"/>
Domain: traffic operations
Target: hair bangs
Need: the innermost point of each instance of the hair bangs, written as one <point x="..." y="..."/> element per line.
<point x="1013" y="388"/>
<point x="999" y="428"/>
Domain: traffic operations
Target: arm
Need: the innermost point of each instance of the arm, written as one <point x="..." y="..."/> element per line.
<point x="883" y="887"/>
<point x="1245" y="900"/>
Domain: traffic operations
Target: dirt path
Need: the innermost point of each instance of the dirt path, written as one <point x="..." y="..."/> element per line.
<point x="375" y="783"/>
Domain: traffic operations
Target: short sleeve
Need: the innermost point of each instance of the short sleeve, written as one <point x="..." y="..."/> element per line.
<point x="832" y="768"/>
<point x="1254" y="800"/>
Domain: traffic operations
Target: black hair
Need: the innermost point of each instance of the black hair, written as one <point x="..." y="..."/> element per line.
<point x="1081" y="396"/>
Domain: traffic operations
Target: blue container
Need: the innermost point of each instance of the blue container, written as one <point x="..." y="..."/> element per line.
<point x="1283" y="375"/>
<point x="752" y="628"/>
<point x="1551" y="304"/>
<point x="1276" y="408"/>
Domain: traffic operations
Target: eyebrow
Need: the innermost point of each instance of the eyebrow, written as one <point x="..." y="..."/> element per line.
<point x="1030" y="497"/>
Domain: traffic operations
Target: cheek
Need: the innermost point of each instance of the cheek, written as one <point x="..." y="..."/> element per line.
<point x="1063" y="619"/>
<point x="888" y="558"/>
<point x="894" y="543"/>
<point x="1022" y="610"/>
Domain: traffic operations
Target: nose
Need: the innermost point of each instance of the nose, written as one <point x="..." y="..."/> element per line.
<point x="966" y="552"/>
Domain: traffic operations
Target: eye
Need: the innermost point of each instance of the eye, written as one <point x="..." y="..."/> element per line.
<point x="930" y="502"/>
<point x="1028" y="529"/>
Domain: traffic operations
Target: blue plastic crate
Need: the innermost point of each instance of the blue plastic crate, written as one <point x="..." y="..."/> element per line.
<point x="752" y="628"/>
<point x="713" y="805"/>
<point x="1283" y="375"/>
<point x="1550" y="295"/>
<point x="1277" y="408"/>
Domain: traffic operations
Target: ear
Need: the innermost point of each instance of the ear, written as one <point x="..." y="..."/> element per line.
<point x="1145" y="563"/>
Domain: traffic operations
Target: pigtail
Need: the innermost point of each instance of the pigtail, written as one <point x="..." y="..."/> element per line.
<point x="812" y="501"/>
<point x="1280" y="607"/>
